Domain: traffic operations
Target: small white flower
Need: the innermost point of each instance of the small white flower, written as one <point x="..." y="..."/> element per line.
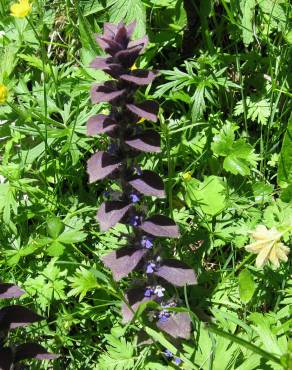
<point x="159" y="291"/>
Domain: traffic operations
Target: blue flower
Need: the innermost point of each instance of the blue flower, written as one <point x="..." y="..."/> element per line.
<point x="177" y="360"/>
<point x="146" y="242"/>
<point x="134" y="198"/>
<point x="163" y="315"/>
<point x="138" y="170"/>
<point x="150" y="268"/>
<point x="168" y="353"/>
<point x="135" y="220"/>
<point x="148" y="292"/>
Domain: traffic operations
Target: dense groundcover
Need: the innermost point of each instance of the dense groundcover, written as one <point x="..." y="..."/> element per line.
<point x="145" y="184"/>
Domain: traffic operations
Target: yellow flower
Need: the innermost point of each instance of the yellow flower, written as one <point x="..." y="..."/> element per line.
<point x="187" y="176"/>
<point x="21" y="9"/>
<point x="267" y="246"/>
<point x="3" y="93"/>
<point x="133" y="67"/>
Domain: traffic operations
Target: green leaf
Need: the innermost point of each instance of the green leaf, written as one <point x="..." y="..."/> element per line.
<point x="209" y="195"/>
<point x="71" y="237"/>
<point x="128" y="11"/>
<point x="285" y="160"/>
<point x="262" y="191"/>
<point x="223" y="141"/>
<point x="288" y="37"/>
<point x="56" y="249"/>
<point x="82" y="282"/>
<point x="35" y="62"/>
<point x="274" y="10"/>
<point x="240" y="160"/>
<point x="263" y="329"/>
<point x="55" y="227"/>
<point x="248" y="11"/>
<point x="247" y="344"/>
<point x="259" y="111"/>
<point x="246" y="286"/>
<point x="119" y="355"/>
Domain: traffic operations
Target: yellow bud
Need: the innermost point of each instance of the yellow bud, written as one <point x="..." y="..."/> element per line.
<point x="187" y="176"/>
<point x="141" y="120"/>
<point x="133" y="67"/>
<point x="3" y="93"/>
<point x="21" y="9"/>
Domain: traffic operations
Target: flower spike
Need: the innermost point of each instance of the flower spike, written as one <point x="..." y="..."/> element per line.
<point x="119" y="162"/>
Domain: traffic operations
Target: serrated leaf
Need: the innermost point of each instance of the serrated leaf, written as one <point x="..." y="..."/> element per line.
<point x="236" y="165"/>
<point x="82" y="282"/>
<point x="127" y="11"/>
<point x="240" y="159"/>
<point x="119" y="355"/>
<point x="223" y="140"/>
<point x="263" y="328"/>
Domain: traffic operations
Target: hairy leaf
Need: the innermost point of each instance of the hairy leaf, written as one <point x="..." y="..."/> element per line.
<point x="177" y="325"/>
<point x="111" y="212"/>
<point x="12" y="317"/>
<point x="100" y="124"/>
<point x="147" y="141"/>
<point x="100" y="165"/>
<point x="10" y="291"/>
<point x="148" y="109"/>
<point x="123" y="261"/>
<point x="176" y="273"/>
<point x="149" y="183"/>
<point x="160" y="225"/>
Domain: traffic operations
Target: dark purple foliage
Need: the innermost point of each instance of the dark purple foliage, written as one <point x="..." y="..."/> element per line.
<point x="12" y="317"/>
<point x="147" y="141"/>
<point x="100" y="165"/>
<point x="106" y="92"/>
<point x="127" y="139"/>
<point x="134" y="298"/>
<point x="160" y="225"/>
<point x="123" y="261"/>
<point x="176" y="273"/>
<point x="177" y="325"/>
<point x="110" y="213"/>
<point x="149" y="183"/>
<point x="139" y="77"/>
<point x="10" y="291"/>
<point x="148" y="110"/>
<point x="33" y="350"/>
<point x="6" y="358"/>
<point x="100" y="124"/>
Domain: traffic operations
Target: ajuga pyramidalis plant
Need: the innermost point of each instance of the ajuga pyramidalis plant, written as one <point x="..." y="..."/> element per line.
<point x="120" y="163"/>
<point x="12" y="317"/>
